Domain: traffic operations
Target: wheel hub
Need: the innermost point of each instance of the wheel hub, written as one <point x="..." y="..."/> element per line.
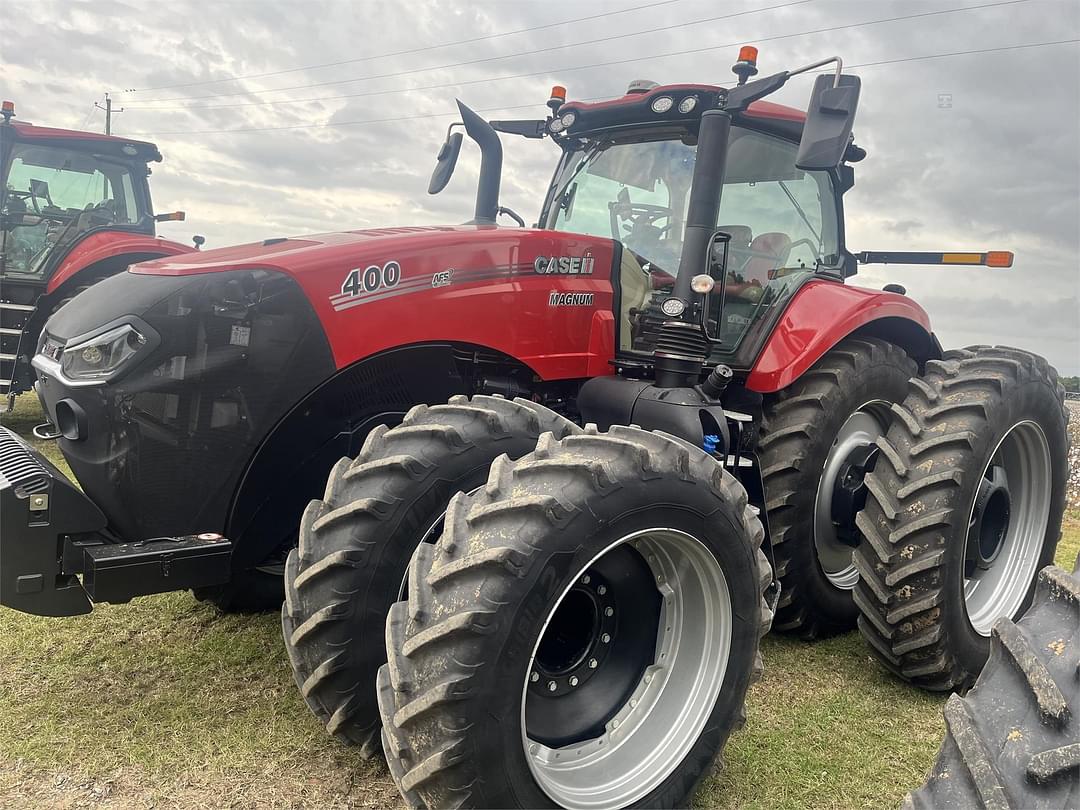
<point x="841" y="492"/>
<point x="606" y="743"/>
<point x="849" y="492"/>
<point x="1007" y="526"/>
<point x="578" y="640"/>
<point x="989" y="521"/>
<point x="585" y="668"/>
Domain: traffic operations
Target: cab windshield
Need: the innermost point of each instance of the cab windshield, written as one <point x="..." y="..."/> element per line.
<point x="52" y="195"/>
<point x="636" y="189"/>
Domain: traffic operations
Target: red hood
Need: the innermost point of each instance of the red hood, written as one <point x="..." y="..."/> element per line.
<point x="301" y="254"/>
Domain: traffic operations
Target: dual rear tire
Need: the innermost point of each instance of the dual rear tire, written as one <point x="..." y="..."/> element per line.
<point x="964" y="508"/>
<point x="582" y="634"/>
<point x="356" y="542"/>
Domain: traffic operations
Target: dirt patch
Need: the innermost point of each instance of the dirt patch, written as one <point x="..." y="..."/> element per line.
<point x="23" y="787"/>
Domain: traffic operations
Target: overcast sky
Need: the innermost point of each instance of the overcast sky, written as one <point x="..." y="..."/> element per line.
<point x="970" y="152"/>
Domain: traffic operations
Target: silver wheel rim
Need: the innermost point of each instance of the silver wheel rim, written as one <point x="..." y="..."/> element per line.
<point x="652" y="732"/>
<point x="1021" y="461"/>
<point x="862" y="428"/>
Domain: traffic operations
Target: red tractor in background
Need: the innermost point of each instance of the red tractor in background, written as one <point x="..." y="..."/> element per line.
<point x="74" y="208"/>
<point x="668" y="418"/>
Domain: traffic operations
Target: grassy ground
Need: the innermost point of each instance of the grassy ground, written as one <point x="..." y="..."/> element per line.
<point x="166" y="701"/>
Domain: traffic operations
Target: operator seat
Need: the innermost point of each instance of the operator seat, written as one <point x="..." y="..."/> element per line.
<point x="769" y="253"/>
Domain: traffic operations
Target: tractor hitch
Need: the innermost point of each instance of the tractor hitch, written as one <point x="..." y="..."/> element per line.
<point x="56" y="558"/>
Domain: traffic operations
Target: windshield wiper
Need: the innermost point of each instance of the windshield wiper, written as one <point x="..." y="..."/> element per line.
<point x="802" y="214"/>
<point x="585" y="159"/>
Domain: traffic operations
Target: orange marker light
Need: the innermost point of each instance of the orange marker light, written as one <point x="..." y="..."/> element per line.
<point x="8" y="107"/>
<point x="748" y="53"/>
<point x="999" y="258"/>
<point x="961" y="258"/>
<point x="558" y="92"/>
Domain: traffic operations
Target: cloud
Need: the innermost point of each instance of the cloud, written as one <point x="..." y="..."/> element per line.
<point x="969" y="152"/>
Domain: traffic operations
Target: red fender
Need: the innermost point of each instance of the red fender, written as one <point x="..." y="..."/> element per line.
<point x="820" y="315"/>
<point x="105" y="245"/>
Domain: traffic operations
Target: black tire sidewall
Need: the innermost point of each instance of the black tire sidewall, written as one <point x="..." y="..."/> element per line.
<point x="1032" y="401"/>
<point x="512" y="783"/>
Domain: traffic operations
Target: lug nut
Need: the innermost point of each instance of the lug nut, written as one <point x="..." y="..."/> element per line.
<point x="573" y="680"/>
<point x="601" y="590"/>
<point x="585" y="580"/>
<point x="592" y="663"/>
<point x="606" y="638"/>
<point x="534" y="677"/>
<point x="609" y="611"/>
<point x="552" y="686"/>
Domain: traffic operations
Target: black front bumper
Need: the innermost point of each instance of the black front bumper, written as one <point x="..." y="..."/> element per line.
<point x="39" y="508"/>
<point x="55" y="559"/>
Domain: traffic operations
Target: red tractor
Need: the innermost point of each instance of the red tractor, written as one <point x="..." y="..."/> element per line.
<point x="668" y="420"/>
<point x="74" y="209"/>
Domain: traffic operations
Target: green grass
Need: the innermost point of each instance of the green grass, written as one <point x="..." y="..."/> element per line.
<point x="165" y="700"/>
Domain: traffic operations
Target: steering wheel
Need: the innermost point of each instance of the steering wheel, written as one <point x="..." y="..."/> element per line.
<point x="636" y="215"/>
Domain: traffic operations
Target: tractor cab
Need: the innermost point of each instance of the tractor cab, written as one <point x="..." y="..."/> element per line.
<point x="75" y="207"/>
<point x="627" y="172"/>
<point x="59" y="186"/>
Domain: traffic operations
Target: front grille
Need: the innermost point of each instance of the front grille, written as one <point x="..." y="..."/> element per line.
<point x="19" y="470"/>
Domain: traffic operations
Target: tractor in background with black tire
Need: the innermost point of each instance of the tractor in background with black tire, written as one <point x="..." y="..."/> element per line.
<point x="670" y="424"/>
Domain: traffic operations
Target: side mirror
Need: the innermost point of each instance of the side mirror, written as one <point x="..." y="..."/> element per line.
<point x="445" y="162"/>
<point x="829" y="119"/>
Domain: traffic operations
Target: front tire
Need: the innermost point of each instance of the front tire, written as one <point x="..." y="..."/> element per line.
<point x="355" y="544"/>
<point x="964" y="508"/>
<point x="839" y="407"/>
<point x="596" y="604"/>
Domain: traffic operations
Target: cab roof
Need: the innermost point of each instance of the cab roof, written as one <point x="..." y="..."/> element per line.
<point x="635" y="108"/>
<point x="115" y="145"/>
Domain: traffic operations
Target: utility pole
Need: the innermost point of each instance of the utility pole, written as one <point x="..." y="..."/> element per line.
<point x="108" y="108"/>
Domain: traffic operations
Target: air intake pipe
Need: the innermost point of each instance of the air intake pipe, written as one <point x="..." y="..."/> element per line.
<point x="704" y="207"/>
<point x="487" y="189"/>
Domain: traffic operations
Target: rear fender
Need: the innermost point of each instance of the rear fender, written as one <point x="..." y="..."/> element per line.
<point x="114" y="250"/>
<point x="822" y="314"/>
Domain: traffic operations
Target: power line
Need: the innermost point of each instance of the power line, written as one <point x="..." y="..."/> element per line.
<point x="89" y="115"/>
<point x="408" y="51"/>
<point x="563" y="70"/>
<point x="486" y="59"/>
<point x="426" y="116"/>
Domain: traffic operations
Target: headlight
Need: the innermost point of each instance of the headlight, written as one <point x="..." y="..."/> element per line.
<point x="687" y="104"/>
<point x="568" y="119"/>
<point x="102" y="356"/>
<point x="661" y="104"/>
